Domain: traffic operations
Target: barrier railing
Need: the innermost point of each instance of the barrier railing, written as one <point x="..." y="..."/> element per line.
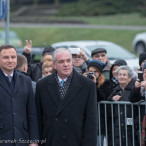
<point x="122" y="123"/>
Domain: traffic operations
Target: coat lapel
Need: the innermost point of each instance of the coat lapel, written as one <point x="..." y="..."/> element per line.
<point x="74" y="88"/>
<point x="17" y="83"/>
<point x="53" y="89"/>
<point x="4" y="84"/>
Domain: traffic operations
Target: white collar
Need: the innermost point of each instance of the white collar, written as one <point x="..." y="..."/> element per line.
<point x="61" y="79"/>
<point x="8" y="75"/>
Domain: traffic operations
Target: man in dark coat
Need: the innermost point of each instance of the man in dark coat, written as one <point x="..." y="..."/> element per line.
<point x="67" y="112"/>
<point x="18" y="115"/>
<point x="22" y="67"/>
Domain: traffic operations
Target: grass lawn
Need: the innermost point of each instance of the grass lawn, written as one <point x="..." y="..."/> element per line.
<point x="119" y="19"/>
<point x="45" y="36"/>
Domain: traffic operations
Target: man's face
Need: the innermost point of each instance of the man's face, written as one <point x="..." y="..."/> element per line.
<point x="8" y="60"/>
<point x="77" y="60"/>
<point x="63" y="64"/>
<point x="100" y="56"/>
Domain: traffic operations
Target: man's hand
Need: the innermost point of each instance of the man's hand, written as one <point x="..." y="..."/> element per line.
<point x="116" y="97"/>
<point x="83" y="55"/>
<point x="33" y="144"/>
<point x="27" y="48"/>
<point x="143" y="84"/>
<point x="137" y="83"/>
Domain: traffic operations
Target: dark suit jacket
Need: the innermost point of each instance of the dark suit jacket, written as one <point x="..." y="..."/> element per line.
<point x="72" y="121"/>
<point x="18" y="115"/>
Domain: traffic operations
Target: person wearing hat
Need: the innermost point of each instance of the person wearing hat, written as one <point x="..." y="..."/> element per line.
<point x="113" y="72"/>
<point x="35" y="70"/>
<point x="95" y="68"/>
<point x="100" y="54"/>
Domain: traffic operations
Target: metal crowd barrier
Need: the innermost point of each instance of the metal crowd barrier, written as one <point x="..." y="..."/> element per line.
<point x="116" y="133"/>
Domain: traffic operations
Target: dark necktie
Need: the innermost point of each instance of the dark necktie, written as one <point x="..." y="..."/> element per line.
<point x="11" y="83"/>
<point x="10" y="79"/>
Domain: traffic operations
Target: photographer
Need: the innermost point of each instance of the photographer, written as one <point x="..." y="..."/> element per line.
<point x="140" y="94"/>
<point x="95" y="68"/>
<point x="78" y="60"/>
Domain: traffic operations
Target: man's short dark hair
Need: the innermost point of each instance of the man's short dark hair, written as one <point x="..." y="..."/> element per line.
<point x="48" y="50"/>
<point x="6" y="47"/>
<point x="21" y="60"/>
<point x="98" y="50"/>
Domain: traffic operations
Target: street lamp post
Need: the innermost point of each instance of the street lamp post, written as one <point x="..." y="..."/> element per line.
<point x="7" y="23"/>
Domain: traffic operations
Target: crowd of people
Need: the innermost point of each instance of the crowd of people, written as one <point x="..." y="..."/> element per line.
<point x="55" y="102"/>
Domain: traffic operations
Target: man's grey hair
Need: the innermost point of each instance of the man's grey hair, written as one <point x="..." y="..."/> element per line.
<point x="58" y="51"/>
<point x="125" y="67"/>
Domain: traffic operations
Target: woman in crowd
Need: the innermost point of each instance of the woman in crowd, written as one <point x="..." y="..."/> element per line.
<point x="47" y="67"/>
<point x="95" y="68"/>
<point x="123" y="92"/>
<point x="113" y="84"/>
<point x="113" y="72"/>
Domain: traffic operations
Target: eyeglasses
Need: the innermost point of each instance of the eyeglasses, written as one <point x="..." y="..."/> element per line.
<point x="76" y="56"/>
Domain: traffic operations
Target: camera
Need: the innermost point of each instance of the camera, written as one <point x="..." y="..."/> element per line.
<point x="140" y="76"/>
<point x="90" y="75"/>
<point x="74" y="50"/>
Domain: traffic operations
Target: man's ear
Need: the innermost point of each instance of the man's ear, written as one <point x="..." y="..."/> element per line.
<point x="25" y="68"/>
<point x="54" y="66"/>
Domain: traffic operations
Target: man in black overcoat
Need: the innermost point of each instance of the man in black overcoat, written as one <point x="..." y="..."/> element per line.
<point x="67" y="111"/>
<point x="18" y="115"/>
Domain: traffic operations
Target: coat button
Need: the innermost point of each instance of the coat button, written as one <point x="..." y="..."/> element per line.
<point x="14" y="128"/>
<point x="63" y="136"/>
<point x="65" y="120"/>
<point x="12" y="99"/>
<point x="56" y="119"/>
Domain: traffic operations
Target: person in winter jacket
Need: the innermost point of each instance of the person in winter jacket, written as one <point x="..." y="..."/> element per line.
<point x="22" y="67"/>
<point x="78" y="60"/>
<point x="47" y="67"/>
<point x="123" y="92"/>
<point x="140" y="91"/>
<point x="113" y="72"/>
<point x="35" y="70"/>
<point x="95" y="68"/>
<point x="101" y="55"/>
